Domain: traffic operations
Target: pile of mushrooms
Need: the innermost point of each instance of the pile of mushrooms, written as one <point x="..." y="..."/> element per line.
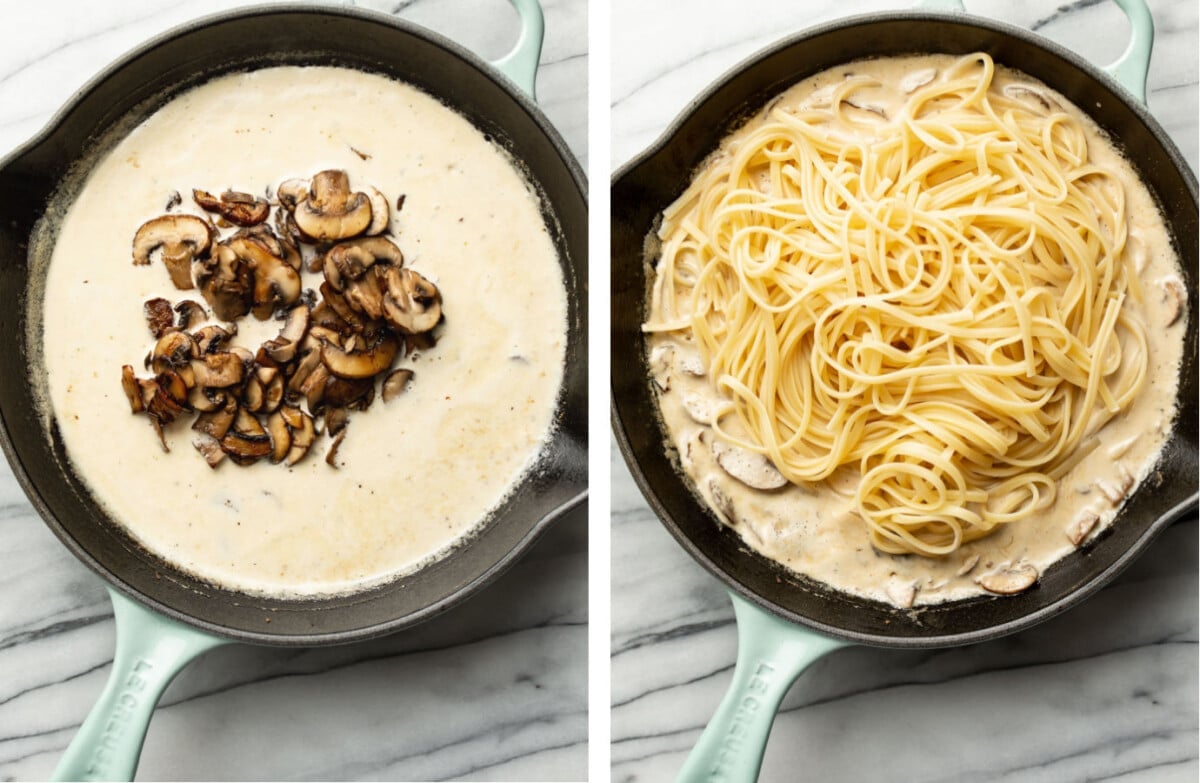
<point x="332" y="346"/>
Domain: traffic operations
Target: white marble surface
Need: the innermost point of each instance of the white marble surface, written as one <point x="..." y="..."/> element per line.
<point x="1107" y="691"/>
<point x="494" y="690"/>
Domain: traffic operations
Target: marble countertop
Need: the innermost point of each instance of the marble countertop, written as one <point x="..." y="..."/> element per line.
<point x="494" y="690"/>
<point x="1105" y="691"/>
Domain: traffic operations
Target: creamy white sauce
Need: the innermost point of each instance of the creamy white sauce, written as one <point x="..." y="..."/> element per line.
<point x="417" y="474"/>
<point x="815" y="531"/>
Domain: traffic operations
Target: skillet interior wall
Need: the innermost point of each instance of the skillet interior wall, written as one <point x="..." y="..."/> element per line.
<point x="635" y="205"/>
<point x="177" y="65"/>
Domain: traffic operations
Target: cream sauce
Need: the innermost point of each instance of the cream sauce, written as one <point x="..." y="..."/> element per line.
<point x="417" y="474"/>
<point x="815" y="531"/>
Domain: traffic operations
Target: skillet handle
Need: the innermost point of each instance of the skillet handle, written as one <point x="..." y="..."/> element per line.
<point x="771" y="655"/>
<point x="151" y="649"/>
<point x="1131" y="68"/>
<point x="521" y="64"/>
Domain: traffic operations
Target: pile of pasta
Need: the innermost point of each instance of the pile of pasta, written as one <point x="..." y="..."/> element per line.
<point x="935" y="299"/>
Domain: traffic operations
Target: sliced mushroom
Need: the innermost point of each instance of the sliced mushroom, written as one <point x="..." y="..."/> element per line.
<point x="276" y="284"/>
<point x="360" y="364"/>
<point x="1115" y="493"/>
<point x="281" y="436"/>
<point x="350" y="260"/>
<point x="1010" y="581"/>
<point x="273" y="394"/>
<point x="380" y="215"/>
<point x="313" y="388"/>
<point x="412" y="304"/>
<point x="133" y="391"/>
<point x="1174" y="296"/>
<point x="660" y="365"/>
<point x="172" y="351"/>
<point x="690" y="362"/>
<point x="282" y="349"/>
<point x="291" y="191"/>
<point x="330" y="211"/>
<point x="183" y="239"/>
<point x="246" y="441"/>
<point x="204" y="400"/>
<point x="308" y="362"/>
<point x="395" y="383"/>
<point x="968" y="565"/>
<point x="216" y="423"/>
<point x="1027" y="92"/>
<point x="159" y="316"/>
<point x="191" y="314"/>
<point x="241" y="209"/>
<point x="218" y="370"/>
<point x="346" y="392"/>
<point x="753" y="470"/>
<point x="702" y="409"/>
<point x="337" y="303"/>
<point x="901" y="594"/>
<point x="917" y="79"/>
<point x="331" y="455"/>
<point x="210" y="339"/>
<point x="303" y="434"/>
<point x="336" y="420"/>
<point x="210" y="449"/>
<point x="226" y="282"/>
<point x="1081" y="527"/>
<point x="253" y="394"/>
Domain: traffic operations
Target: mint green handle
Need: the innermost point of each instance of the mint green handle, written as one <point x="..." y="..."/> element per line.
<point x="521" y="64"/>
<point x="1131" y="68"/>
<point x="151" y="650"/>
<point x="771" y="655"/>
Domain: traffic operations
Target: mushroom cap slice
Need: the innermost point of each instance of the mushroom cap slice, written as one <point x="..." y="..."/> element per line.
<point x="360" y="364"/>
<point x="210" y="449"/>
<point x="133" y="391"/>
<point x="247" y="441"/>
<point x="380" y="214"/>
<point x="241" y="209"/>
<point x="226" y="282"/>
<point x="183" y="239"/>
<point x="218" y="370"/>
<point x="753" y="470"/>
<point x="276" y="283"/>
<point x="191" y="314"/>
<point x="159" y="316"/>
<point x="172" y="351"/>
<point x="330" y="211"/>
<point x="395" y="383"/>
<point x="412" y="304"/>
<point x="350" y="260"/>
<point x="213" y="338"/>
<point x="281" y="436"/>
<point x="216" y="423"/>
<point x="303" y="433"/>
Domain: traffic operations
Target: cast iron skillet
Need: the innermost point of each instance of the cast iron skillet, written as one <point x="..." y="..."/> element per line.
<point x="202" y="615"/>
<point x="765" y="595"/>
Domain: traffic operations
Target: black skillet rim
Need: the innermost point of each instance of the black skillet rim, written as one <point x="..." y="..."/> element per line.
<point x="560" y="439"/>
<point x="731" y="582"/>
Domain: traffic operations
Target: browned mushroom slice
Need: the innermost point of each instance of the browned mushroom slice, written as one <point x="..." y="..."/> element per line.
<point x="205" y="400"/>
<point x="218" y="370"/>
<point x="336" y="420"/>
<point x="282" y="349"/>
<point x="380" y="215"/>
<point x="273" y="394"/>
<point x="303" y="433"/>
<point x="183" y="238"/>
<point x="216" y="423"/>
<point x="346" y="392"/>
<point x="226" y="282"/>
<point x="313" y="388"/>
<point x="191" y="314"/>
<point x="210" y="339"/>
<point x="412" y="304"/>
<point x="360" y="364"/>
<point x="210" y="449"/>
<point x="291" y="191"/>
<point x="253" y="394"/>
<point x="330" y="211"/>
<point x="173" y="386"/>
<point x="159" y="316"/>
<point x="281" y="436"/>
<point x="241" y="209"/>
<point x="308" y="362"/>
<point x="276" y="284"/>
<point x="350" y="260"/>
<point x="246" y="441"/>
<point x="172" y="351"/>
<point x="342" y="308"/>
<point x="331" y="455"/>
<point x="133" y="391"/>
<point x="395" y="383"/>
